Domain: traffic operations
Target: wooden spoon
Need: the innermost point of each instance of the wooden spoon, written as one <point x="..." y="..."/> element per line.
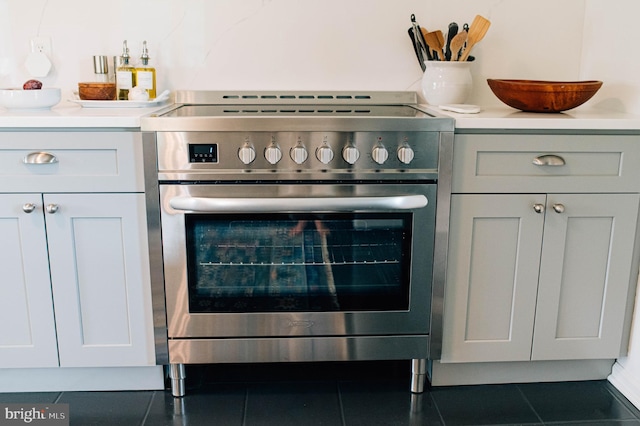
<point x="477" y="30"/>
<point x="435" y="40"/>
<point x="456" y="44"/>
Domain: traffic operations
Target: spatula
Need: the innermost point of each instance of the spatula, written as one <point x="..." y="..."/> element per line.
<point x="435" y="40"/>
<point x="456" y="44"/>
<point x="477" y="30"/>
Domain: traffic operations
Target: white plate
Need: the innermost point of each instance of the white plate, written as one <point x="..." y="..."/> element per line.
<point x="118" y="104"/>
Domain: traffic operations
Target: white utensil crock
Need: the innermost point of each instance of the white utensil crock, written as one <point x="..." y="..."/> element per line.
<point x="446" y="82"/>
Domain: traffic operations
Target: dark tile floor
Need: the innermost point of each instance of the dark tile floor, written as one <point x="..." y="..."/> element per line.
<point x="370" y="393"/>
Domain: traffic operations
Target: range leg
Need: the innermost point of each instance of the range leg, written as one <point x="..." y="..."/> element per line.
<point x="418" y="375"/>
<point x="177" y="376"/>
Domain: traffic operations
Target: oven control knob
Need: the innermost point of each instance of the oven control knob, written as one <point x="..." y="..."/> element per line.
<point x="272" y="154"/>
<point x="380" y="154"/>
<point x="299" y="154"/>
<point x="247" y="154"/>
<point x="405" y="154"/>
<point x="324" y="154"/>
<point x="350" y="154"/>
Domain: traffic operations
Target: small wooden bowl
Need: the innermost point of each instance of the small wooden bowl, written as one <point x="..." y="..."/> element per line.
<point x="544" y="96"/>
<point x="97" y="91"/>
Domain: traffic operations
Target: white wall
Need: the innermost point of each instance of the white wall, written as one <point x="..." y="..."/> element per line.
<point x="290" y="44"/>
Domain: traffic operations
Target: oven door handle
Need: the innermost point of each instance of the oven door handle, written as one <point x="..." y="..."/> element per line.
<point x="321" y="204"/>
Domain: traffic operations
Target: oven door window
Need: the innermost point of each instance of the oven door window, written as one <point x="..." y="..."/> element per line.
<point x="298" y="262"/>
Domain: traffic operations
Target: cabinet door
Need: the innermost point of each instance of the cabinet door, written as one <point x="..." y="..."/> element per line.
<point x="492" y="277"/>
<point x="27" y="328"/>
<point x="99" y="273"/>
<point x="585" y="275"/>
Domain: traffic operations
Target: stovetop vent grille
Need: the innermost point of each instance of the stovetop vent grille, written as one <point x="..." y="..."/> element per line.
<point x="210" y="97"/>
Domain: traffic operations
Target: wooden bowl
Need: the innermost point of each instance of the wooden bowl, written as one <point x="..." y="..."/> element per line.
<point x="97" y="91"/>
<point x="544" y="96"/>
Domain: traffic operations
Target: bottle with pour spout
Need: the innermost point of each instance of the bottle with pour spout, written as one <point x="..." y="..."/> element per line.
<point x="146" y="74"/>
<point x="125" y="74"/>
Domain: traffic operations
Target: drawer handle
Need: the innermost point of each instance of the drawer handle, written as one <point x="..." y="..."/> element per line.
<point x="549" y="160"/>
<point x="40" y="158"/>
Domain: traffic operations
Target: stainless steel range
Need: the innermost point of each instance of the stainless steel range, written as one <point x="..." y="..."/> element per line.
<point x="297" y="227"/>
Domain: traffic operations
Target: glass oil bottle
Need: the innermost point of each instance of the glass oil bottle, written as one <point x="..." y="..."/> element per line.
<point x="125" y="74"/>
<point x="146" y="74"/>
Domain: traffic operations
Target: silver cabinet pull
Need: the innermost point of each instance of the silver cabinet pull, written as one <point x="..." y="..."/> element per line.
<point x="28" y="207"/>
<point x="538" y="208"/>
<point x="52" y="208"/>
<point x="40" y="158"/>
<point x="549" y="160"/>
<point x="558" y="208"/>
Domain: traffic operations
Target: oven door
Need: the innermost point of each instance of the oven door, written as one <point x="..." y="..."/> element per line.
<point x="267" y="260"/>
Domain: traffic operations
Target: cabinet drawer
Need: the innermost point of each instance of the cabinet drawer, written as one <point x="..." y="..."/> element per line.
<point x="80" y="161"/>
<point x="584" y="163"/>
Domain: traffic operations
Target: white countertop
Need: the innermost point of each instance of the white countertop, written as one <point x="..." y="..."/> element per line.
<point x="70" y="115"/>
<point x="508" y="118"/>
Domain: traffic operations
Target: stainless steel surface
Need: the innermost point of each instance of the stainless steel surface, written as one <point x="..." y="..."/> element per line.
<point x="40" y="158"/>
<point x="177" y="374"/>
<point x="183" y="324"/>
<point x="299" y="349"/>
<point x="549" y="160"/>
<point x="558" y="208"/>
<point x="174" y="165"/>
<point x="297" y="204"/>
<point x="441" y="242"/>
<point x="538" y="208"/>
<point x="418" y="375"/>
<point x="204" y="97"/>
<point x="28" y="207"/>
<point x="156" y="266"/>
<point x="293" y="152"/>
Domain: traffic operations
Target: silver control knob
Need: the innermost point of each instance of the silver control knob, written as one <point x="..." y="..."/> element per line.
<point x="324" y="154"/>
<point x="380" y="154"/>
<point x="405" y="154"/>
<point x="247" y="154"/>
<point x="350" y="154"/>
<point x="272" y="154"/>
<point x="299" y="154"/>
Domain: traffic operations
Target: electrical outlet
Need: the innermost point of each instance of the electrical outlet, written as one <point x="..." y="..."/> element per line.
<point x="41" y="44"/>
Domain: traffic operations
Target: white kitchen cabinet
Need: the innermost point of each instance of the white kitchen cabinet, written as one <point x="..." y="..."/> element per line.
<point x="77" y="292"/>
<point x="541" y="257"/>
<point x="27" y="326"/>
<point x="527" y="285"/>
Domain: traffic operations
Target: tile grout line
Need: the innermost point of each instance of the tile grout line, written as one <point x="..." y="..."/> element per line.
<point x="529" y="403"/>
<point x="245" y="409"/>
<point x="339" y="393"/>
<point x="148" y="410"/>
<point x="435" y="404"/>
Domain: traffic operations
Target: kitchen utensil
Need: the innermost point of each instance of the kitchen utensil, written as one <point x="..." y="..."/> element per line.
<point x="420" y="43"/>
<point x="420" y="37"/>
<point x="435" y="40"/>
<point x="453" y="31"/>
<point x="457" y="43"/>
<point x="477" y="31"/>
<point x="417" y="48"/>
<point x="543" y="96"/>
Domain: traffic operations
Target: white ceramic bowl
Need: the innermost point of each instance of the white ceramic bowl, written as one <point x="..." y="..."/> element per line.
<point x="29" y="99"/>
